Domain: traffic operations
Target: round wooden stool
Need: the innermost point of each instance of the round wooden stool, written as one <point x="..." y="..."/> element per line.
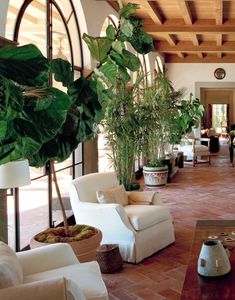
<point x="109" y="258"/>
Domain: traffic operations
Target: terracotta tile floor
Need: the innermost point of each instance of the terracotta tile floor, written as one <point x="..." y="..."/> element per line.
<point x="203" y="192"/>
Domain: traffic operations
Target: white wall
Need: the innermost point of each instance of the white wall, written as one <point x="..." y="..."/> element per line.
<point x="3" y="15"/>
<point x="95" y="13"/>
<point x="186" y="75"/>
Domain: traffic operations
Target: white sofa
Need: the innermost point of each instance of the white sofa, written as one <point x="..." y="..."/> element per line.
<point x="139" y="230"/>
<point x="48" y="273"/>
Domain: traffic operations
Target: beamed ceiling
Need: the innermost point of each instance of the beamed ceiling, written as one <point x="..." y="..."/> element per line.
<point x="193" y="31"/>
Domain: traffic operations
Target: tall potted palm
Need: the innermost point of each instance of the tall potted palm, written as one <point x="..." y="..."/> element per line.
<point x="160" y="113"/>
<point x="114" y="65"/>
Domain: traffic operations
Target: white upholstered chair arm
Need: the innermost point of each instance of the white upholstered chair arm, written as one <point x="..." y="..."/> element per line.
<point x="46" y="258"/>
<point x="156" y="199"/>
<point x="58" y="288"/>
<point x="110" y="218"/>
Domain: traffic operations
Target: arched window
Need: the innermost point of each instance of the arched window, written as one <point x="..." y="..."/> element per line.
<point x="51" y="25"/>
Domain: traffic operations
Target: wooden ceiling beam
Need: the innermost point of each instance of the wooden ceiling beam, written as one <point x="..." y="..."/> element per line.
<point x="186" y="13"/>
<point x="152" y="11"/>
<point x="181" y="55"/>
<point x="200" y="55"/>
<point x="194" y="39"/>
<point x="199" y="27"/>
<point x="188" y="47"/>
<point x="174" y="58"/>
<point x="219" y="39"/>
<point x="219" y="12"/>
<point x="171" y="39"/>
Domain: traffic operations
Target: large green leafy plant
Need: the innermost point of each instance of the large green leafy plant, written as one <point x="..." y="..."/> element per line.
<point x="39" y="122"/>
<point x="112" y="73"/>
<point x="159" y="117"/>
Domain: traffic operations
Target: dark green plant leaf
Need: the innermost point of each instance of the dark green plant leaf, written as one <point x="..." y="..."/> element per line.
<point x="98" y="46"/>
<point x="128" y="10"/>
<point x="126" y="27"/>
<point x="111" y="32"/>
<point x="25" y="65"/>
<point x="62" y="71"/>
<point x="107" y="72"/>
<point x="127" y="59"/>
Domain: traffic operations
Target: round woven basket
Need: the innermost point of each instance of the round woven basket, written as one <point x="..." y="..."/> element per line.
<point x="85" y="249"/>
<point x="109" y="258"/>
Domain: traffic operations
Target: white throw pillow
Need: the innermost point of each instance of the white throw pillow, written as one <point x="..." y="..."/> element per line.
<point x="11" y="273"/>
<point x="113" y="195"/>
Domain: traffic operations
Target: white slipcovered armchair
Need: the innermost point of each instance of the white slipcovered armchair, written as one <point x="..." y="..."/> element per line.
<point x="139" y="230"/>
<point x="193" y="149"/>
<point x="51" y="272"/>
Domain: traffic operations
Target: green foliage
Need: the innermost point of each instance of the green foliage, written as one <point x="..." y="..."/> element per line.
<point x="112" y="74"/>
<point x="39" y="122"/>
<point x="159" y="117"/>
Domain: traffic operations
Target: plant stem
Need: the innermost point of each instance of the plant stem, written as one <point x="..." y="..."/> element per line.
<point x="52" y="163"/>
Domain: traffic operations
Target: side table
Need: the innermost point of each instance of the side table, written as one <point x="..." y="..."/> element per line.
<point x="109" y="258"/>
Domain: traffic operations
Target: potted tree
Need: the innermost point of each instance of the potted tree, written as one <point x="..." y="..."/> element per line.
<point x="159" y="118"/>
<point x="114" y="65"/>
<point x="41" y="123"/>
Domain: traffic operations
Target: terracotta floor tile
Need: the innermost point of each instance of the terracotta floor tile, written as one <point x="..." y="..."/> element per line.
<point x="201" y="192"/>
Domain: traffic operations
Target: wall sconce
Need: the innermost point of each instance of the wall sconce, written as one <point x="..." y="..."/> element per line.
<point x="13" y="175"/>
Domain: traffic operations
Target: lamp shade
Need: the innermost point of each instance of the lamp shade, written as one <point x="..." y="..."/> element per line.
<point x="14" y="174"/>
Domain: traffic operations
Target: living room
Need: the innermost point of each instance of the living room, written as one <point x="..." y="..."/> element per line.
<point x="195" y="192"/>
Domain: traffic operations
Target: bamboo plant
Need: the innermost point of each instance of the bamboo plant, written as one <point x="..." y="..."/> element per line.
<point x="112" y="73"/>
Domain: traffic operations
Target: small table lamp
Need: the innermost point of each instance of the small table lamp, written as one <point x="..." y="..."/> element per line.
<point x="13" y="175"/>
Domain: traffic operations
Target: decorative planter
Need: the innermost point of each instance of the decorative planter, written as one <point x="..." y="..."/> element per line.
<point x="155" y="176"/>
<point x="84" y="249"/>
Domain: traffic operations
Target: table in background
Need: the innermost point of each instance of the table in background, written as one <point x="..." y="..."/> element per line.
<point x="197" y="287"/>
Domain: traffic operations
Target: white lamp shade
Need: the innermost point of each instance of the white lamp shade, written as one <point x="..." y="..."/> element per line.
<point x="14" y="174"/>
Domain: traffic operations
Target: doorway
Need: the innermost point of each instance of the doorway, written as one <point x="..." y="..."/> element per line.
<point x="219" y="117"/>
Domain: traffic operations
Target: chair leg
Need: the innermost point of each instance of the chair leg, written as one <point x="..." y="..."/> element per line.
<point x="194" y="160"/>
<point x="209" y="159"/>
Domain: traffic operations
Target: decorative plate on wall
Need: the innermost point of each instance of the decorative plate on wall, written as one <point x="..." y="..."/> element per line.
<point x="219" y="73"/>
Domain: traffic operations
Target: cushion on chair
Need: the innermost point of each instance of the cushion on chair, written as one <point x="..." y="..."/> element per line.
<point x="113" y="195"/>
<point x="11" y="272"/>
<point x="86" y="275"/>
<point x="144" y="216"/>
<point x="145" y="197"/>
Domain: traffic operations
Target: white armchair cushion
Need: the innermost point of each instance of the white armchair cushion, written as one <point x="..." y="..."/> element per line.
<point x="11" y="273"/>
<point x="144" y="216"/>
<point x="145" y="197"/>
<point x="86" y="275"/>
<point x="116" y="194"/>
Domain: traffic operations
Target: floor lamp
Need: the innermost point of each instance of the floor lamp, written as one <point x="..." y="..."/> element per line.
<point x="13" y="175"/>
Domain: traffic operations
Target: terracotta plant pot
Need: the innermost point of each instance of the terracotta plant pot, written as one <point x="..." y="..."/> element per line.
<point x="84" y="248"/>
<point x="155" y="176"/>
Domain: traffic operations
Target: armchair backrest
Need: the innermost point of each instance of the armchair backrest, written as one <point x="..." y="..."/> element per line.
<point x="85" y="187"/>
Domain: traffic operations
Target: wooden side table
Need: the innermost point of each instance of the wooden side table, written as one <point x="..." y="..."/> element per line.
<point x="197" y="287"/>
<point x="109" y="258"/>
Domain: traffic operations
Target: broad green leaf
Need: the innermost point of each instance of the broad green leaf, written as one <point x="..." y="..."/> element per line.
<point x="25" y="65"/>
<point x="128" y="10"/>
<point x="127" y="59"/>
<point x="3" y="130"/>
<point x="98" y="46"/>
<point x="118" y="46"/>
<point x="111" y="32"/>
<point x="107" y="72"/>
<point x="62" y="71"/>
<point x="126" y="27"/>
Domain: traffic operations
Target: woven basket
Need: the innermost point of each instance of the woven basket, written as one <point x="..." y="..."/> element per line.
<point x="85" y="249"/>
<point x="109" y="258"/>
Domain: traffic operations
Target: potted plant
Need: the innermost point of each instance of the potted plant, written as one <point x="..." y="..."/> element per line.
<point x="41" y="123"/>
<point x="114" y="65"/>
<point x="159" y="118"/>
